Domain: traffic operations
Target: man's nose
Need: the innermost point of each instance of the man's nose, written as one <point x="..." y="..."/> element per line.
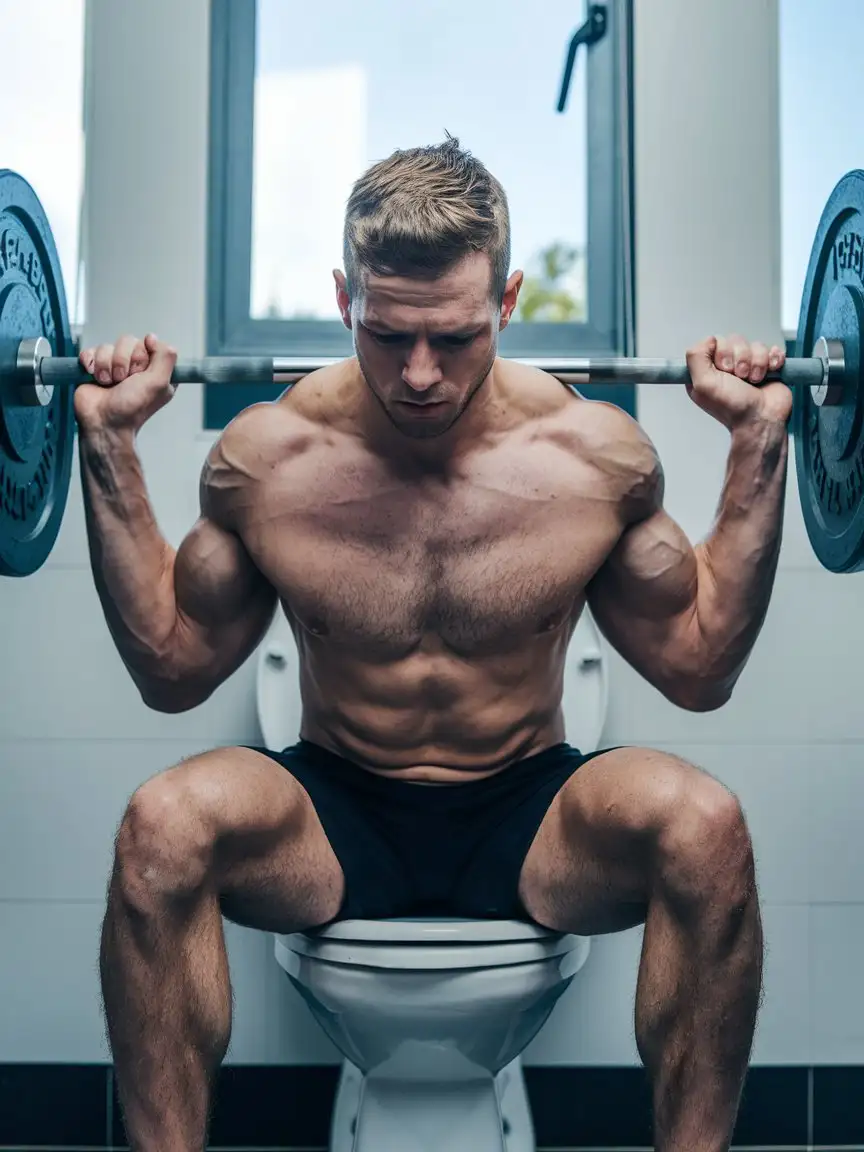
<point x="421" y="371"/>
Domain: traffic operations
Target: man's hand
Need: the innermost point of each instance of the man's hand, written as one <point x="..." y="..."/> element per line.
<point x="133" y="380"/>
<point x="727" y="375"/>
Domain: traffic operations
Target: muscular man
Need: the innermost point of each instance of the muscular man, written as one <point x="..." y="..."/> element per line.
<point x="432" y="519"/>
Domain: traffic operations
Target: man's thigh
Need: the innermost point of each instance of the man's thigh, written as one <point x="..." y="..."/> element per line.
<point x="236" y="820"/>
<point x="596" y="855"/>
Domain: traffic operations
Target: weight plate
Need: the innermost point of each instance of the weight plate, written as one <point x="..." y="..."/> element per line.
<point x="829" y="441"/>
<point x="36" y="443"/>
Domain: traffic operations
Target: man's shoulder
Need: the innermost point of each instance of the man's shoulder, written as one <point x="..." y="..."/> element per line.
<point x="257" y="440"/>
<point x="614" y="446"/>
<point x="265" y="435"/>
<point x="267" y="446"/>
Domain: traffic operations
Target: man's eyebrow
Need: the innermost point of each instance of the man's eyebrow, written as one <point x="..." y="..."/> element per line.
<point x="467" y="330"/>
<point x="377" y="324"/>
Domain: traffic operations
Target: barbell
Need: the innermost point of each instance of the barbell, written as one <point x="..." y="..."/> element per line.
<point x="39" y="371"/>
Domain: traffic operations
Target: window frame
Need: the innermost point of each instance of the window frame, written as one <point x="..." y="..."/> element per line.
<point x="231" y="331"/>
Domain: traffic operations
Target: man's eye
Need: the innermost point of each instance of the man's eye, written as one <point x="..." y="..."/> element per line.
<point x="457" y="341"/>
<point x="381" y="338"/>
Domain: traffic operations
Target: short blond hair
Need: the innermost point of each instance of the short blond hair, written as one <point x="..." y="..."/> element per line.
<point x="421" y="211"/>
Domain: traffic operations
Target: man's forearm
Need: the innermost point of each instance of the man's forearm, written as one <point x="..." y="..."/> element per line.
<point x="132" y="562"/>
<point x="738" y="561"/>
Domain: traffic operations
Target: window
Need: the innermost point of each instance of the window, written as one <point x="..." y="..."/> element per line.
<point x="41" y="94"/>
<point x="821" y="94"/>
<point x="305" y="98"/>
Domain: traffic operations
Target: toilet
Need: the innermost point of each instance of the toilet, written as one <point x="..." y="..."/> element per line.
<point x="431" y="1015"/>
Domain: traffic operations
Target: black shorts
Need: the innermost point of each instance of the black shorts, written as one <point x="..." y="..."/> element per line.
<point x="442" y="850"/>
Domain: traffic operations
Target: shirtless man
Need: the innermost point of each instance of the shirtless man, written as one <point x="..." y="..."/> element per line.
<point x="432" y="519"/>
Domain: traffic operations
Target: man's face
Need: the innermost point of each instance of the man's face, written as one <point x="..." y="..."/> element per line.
<point x="426" y="346"/>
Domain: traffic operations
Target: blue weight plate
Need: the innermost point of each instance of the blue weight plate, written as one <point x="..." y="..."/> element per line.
<point x="36" y="444"/>
<point x="829" y="441"/>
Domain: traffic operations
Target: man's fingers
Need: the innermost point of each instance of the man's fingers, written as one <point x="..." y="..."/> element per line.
<point x="102" y="364"/>
<point x="741" y="354"/>
<point x="162" y="360"/>
<point x="724" y="354"/>
<point x="139" y="359"/>
<point x="758" y="362"/>
<point x="120" y="361"/>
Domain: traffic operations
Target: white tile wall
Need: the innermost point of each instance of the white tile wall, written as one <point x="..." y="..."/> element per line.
<point x="75" y="739"/>
<point x="836" y="792"/>
<point x="272" y="1024"/>
<point x="783" y="1028"/>
<point x="836" y="1000"/>
<point x="800" y="684"/>
<point x="592" y="1023"/>
<point x="50" y="1005"/>
<point x="73" y="685"/>
<point x="63" y="801"/>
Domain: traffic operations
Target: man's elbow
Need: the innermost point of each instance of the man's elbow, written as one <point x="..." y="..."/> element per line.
<point x="171" y="705"/>
<point x="173" y="696"/>
<point x="700" y="693"/>
<point x="698" y="676"/>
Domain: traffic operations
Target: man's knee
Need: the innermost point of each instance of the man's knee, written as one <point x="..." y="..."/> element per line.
<point x="165" y="845"/>
<point x="704" y="848"/>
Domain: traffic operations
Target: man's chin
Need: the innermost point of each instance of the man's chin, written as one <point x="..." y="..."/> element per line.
<point x="421" y="425"/>
<point x="424" y="429"/>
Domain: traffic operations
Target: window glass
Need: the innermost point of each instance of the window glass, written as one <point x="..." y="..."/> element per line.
<point x="340" y="85"/>
<point x="821" y="97"/>
<point x="41" y="96"/>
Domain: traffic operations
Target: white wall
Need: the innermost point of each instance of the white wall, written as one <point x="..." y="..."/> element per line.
<point x="75" y="740"/>
<point x="790" y="741"/>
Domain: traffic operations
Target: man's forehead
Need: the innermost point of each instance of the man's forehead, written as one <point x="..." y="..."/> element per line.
<point x="440" y="301"/>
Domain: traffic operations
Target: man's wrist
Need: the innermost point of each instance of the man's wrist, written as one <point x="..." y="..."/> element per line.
<point x="102" y="439"/>
<point x="760" y="432"/>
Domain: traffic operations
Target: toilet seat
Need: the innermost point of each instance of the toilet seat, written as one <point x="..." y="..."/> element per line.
<point x="584" y="700"/>
<point x="433" y="930"/>
<point x="428" y="944"/>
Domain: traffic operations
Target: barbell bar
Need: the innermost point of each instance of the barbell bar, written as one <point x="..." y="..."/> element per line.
<point x="37" y="372"/>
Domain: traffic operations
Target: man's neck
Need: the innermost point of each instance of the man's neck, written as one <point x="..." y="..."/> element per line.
<point x="434" y="454"/>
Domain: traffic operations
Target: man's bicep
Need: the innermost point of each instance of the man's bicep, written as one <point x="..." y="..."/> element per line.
<point x="218" y="584"/>
<point x="224" y="604"/>
<point x="644" y="596"/>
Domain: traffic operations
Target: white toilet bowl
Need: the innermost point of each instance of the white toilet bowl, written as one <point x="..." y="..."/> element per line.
<point x="429" y="1012"/>
<point x="431" y="1015"/>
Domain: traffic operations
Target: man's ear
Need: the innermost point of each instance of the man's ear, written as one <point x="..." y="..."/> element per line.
<point x="511" y="297"/>
<point x="343" y="300"/>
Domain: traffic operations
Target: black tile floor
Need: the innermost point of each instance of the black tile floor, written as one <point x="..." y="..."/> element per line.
<point x="73" y="1108"/>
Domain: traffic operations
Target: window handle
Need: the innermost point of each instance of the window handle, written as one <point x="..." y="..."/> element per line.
<point x="592" y="30"/>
